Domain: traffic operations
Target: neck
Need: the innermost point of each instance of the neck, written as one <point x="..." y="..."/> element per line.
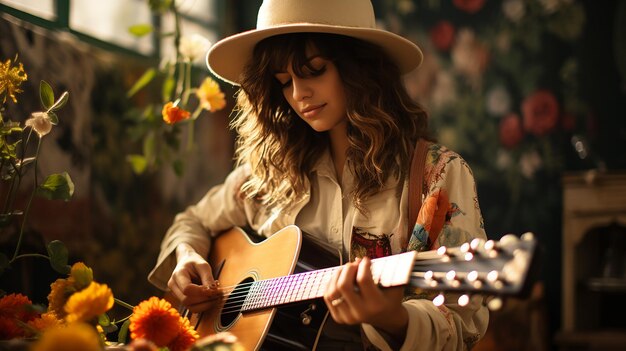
<point x="339" y="147"/>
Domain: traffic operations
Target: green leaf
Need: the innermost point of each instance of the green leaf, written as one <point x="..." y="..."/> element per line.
<point x="60" y="102"/>
<point x="58" y="257"/>
<point x="147" y="76"/>
<point x="57" y="187"/>
<point x="54" y="119"/>
<point x="122" y="336"/>
<point x="140" y="30"/>
<point x="168" y="87"/>
<point x="104" y="320"/>
<point x="46" y="94"/>
<point x="4" y="263"/>
<point x="138" y="163"/>
<point x="179" y="167"/>
<point x="149" y="147"/>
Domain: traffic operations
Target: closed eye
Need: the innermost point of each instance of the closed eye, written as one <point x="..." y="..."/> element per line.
<point x="284" y="79"/>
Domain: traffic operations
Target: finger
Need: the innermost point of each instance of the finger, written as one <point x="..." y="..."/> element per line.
<point x="365" y="281"/>
<point x="331" y="292"/>
<point x="345" y="283"/>
<point x="178" y="294"/>
<point x="206" y="275"/>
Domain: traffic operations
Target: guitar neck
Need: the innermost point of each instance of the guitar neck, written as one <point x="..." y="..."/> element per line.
<point x="387" y="272"/>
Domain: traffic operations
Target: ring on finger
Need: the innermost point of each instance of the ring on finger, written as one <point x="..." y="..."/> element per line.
<point x="336" y="302"/>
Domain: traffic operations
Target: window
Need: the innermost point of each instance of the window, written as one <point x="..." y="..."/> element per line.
<point x="106" y="23"/>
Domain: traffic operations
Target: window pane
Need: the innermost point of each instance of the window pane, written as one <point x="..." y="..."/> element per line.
<point x="203" y="10"/>
<point x="187" y="28"/>
<point x="109" y="21"/>
<point x="41" y="8"/>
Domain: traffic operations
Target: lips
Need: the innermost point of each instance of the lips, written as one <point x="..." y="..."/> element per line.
<point x="312" y="110"/>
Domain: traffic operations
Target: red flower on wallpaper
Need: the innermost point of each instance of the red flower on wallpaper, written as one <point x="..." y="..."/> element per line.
<point x="442" y="35"/>
<point x="469" y="6"/>
<point x="541" y="112"/>
<point x="511" y="132"/>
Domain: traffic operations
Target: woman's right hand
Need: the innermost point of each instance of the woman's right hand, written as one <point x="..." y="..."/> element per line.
<point x="192" y="281"/>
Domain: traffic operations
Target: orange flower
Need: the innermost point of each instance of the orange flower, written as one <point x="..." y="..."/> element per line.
<point x="155" y="320"/>
<point x="210" y="96"/>
<point x="16" y="306"/>
<point x="174" y="114"/>
<point x="88" y="303"/>
<point x="60" y="291"/>
<point x="185" y="338"/>
<point x="432" y="215"/>
<point x="46" y="321"/>
<point x="9" y="329"/>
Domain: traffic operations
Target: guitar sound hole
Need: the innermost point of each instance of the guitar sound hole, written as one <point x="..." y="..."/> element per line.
<point x="232" y="306"/>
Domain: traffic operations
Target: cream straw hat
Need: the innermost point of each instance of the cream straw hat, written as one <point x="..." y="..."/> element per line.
<point x="354" y="18"/>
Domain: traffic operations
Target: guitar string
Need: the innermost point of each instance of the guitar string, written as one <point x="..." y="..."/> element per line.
<point x="234" y="302"/>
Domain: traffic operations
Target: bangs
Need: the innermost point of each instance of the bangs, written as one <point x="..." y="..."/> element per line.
<point x="295" y="47"/>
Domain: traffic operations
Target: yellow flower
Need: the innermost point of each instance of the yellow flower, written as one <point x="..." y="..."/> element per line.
<point x="74" y="337"/>
<point x="60" y="291"/>
<point x="88" y="303"/>
<point x="10" y="80"/>
<point x="210" y="96"/>
<point x="185" y="338"/>
<point x="83" y="275"/>
<point x="40" y="122"/>
<point x="155" y="320"/>
<point x="174" y="114"/>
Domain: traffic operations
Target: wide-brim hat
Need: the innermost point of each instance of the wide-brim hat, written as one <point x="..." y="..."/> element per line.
<point x="354" y="18"/>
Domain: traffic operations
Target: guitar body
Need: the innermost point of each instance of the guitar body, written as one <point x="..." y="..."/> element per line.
<point x="236" y="259"/>
<point x="273" y="289"/>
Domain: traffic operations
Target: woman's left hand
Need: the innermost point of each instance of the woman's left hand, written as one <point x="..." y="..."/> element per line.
<point x="352" y="297"/>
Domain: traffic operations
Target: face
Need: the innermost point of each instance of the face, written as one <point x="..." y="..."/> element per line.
<point x="318" y="96"/>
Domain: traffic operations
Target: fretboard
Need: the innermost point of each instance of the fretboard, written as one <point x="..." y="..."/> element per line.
<point x="387" y="272"/>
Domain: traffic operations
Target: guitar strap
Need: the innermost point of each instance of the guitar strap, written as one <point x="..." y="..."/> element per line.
<point x="416" y="183"/>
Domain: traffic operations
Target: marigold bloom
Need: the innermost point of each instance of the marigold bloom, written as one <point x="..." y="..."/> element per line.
<point x="60" y="291"/>
<point x="74" y="337"/>
<point x="82" y="275"/>
<point x="46" y="321"/>
<point x="186" y="337"/>
<point x="155" y="320"/>
<point x="210" y="96"/>
<point x="16" y="306"/>
<point x="10" y="80"/>
<point x="88" y="303"/>
<point x="40" y="122"/>
<point x="174" y="114"/>
<point x="9" y="329"/>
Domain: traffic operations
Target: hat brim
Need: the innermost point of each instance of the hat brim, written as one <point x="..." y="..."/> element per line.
<point x="228" y="57"/>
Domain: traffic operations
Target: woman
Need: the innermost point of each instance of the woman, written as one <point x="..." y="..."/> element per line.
<point x="326" y="136"/>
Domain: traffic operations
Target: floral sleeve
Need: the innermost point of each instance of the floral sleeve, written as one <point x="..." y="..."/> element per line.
<point x="449" y="216"/>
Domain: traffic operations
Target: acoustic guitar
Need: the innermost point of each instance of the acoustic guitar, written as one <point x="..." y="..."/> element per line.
<point x="258" y="280"/>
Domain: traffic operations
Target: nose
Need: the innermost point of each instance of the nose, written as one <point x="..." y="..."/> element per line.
<point x="301" y="88"/>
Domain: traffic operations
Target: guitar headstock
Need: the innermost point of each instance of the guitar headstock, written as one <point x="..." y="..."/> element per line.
<point x="497" y="268"/>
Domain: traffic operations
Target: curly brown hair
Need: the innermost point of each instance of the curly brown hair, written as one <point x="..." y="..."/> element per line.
<point x="384" y="123"/>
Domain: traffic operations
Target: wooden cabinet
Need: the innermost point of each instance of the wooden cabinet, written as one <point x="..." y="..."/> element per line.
<point x="594" y="262"/>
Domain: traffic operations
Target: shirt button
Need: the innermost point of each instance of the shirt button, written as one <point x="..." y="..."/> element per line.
<point x="334" y="230"/>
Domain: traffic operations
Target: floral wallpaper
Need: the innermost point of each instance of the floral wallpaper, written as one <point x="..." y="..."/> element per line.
<point x="525" y="91"/>
<point x="502" y="83"/>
